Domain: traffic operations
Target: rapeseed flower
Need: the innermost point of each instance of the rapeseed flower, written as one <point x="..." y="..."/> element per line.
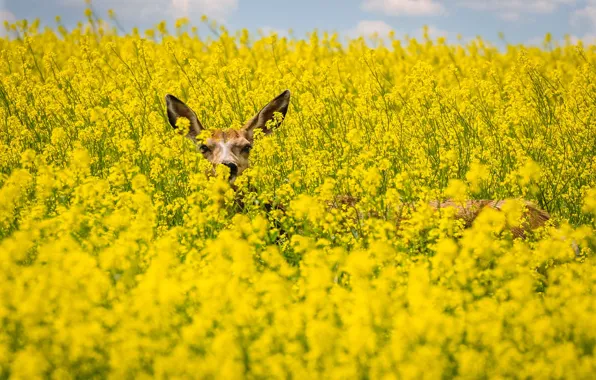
<point x="125" y="254"/>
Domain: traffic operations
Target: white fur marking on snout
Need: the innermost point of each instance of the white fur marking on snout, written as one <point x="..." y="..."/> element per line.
<point x="225" y="152"/>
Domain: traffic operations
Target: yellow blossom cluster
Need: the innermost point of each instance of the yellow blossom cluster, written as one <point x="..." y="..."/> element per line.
<point x="122" y="257"/>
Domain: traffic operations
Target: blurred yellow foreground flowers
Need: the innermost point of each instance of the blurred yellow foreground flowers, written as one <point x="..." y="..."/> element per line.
<point x="120" y="258"/>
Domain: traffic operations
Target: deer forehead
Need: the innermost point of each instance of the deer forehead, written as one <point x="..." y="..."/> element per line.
<point x="227" y="140"/>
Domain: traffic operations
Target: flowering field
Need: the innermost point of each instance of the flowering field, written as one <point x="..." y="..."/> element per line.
<point x="121" y="257"/>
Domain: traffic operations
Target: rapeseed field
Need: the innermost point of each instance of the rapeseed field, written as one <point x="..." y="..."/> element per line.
<point x="122" y="256"/>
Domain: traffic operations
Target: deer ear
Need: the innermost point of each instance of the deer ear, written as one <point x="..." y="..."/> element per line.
<point x="259" y="121"/>
<point x="177" y="109"/>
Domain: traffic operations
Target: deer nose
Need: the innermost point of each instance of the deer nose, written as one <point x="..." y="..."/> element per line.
<point x="233" y="168"/>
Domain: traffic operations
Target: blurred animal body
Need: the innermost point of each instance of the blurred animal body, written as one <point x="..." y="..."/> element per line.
<point x="468" y="211"/>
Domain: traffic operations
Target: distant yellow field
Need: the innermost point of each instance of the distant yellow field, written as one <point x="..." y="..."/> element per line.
<point x="121" y="258"/>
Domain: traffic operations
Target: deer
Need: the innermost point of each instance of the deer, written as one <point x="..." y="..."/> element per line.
<point x="231" y="148"/>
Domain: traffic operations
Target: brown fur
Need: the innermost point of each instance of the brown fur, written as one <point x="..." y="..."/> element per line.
<point x="468" y="211"/>
<point x="533" y="217"/>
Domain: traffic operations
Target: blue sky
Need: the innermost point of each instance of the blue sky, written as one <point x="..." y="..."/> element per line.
<point x="522" y="21"/>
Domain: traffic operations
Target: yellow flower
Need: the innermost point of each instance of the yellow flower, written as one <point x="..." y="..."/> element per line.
<point x="123" y="256"/>
<point x="456" y="190"/>
<point x="590" y="201"/>
<point x="477" y="176"/>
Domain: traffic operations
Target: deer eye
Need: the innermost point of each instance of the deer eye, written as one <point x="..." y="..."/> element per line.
<point x="204" y="148"/>
<point x="246" y="149"/>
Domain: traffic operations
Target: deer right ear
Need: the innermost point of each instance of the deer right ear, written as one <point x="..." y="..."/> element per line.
<point x="259" y="121"/>
<point x="177" y="109"/>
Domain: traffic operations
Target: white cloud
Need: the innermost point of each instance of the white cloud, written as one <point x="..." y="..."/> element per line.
<point x="582" y="20"/>
<point x="511" y="10"/>
<point x="433" y="32"/>
<point x="5" y="16"/>
<point x="509" y="16"/>
<point x="132" y="10"/>
<point x="214" y="8"/>
<point x="368" y="28"/>
<point x="380" y="29"/>
<point x="586" y="15"/>
<point x="585" y="19"/>
<point x="404" y="7"/>
<point x="527" y="6"/>
<point x="269" y="30"/>
<point x="587" y="39"/>
<point x="535" y="41"/>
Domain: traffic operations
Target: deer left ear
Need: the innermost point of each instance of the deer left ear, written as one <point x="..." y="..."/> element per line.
<point x="176" y="108"/>
<point x="259" y="121"/>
